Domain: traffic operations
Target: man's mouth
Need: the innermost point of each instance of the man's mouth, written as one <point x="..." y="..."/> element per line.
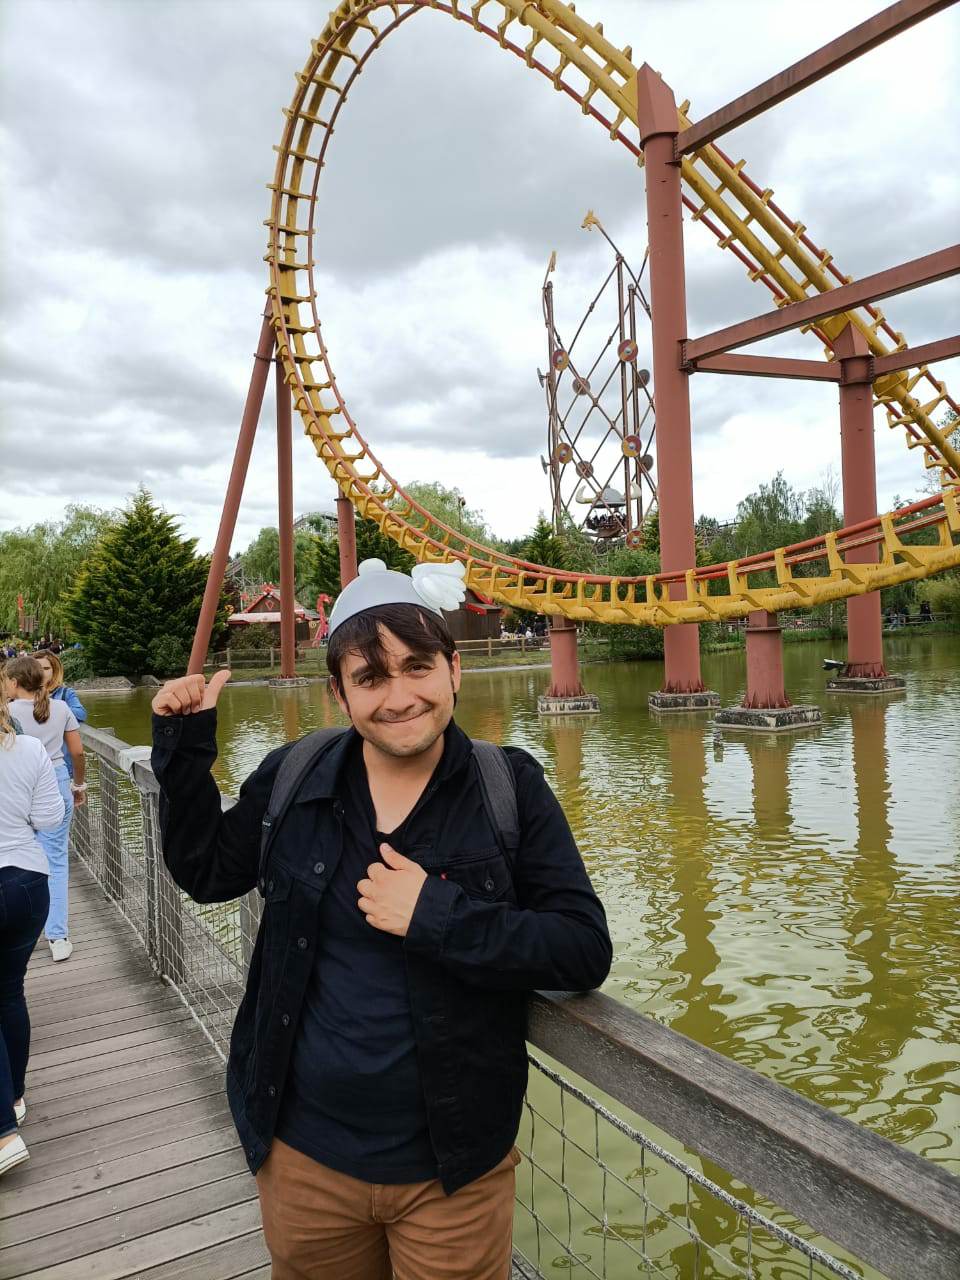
<point x="403" y="719"/>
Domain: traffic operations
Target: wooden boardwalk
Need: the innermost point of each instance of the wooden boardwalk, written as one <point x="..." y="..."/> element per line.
<point x="134" y="1169"/>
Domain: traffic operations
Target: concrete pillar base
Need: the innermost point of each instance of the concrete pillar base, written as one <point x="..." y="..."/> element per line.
<point x="866" y="684"/>
<point x="578" y="704"/>
<point x="288" y="682"/>
<point x="705" y="700"/>
<point x="768" y="719"/>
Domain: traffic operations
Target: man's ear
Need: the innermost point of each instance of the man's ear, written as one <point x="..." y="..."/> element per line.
<point x="455" y="671"/>
<point x="333" y="684"/>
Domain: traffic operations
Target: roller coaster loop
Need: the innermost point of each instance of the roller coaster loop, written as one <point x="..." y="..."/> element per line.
<point x="600" y="78"/>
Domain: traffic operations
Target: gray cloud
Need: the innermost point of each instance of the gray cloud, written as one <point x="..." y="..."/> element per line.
<point x="135" y="166"/>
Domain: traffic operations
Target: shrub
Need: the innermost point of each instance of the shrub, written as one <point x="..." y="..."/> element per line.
<point x="254" y="635"/>
<point x="76" y="665"/>
<point x="167" y="656"/>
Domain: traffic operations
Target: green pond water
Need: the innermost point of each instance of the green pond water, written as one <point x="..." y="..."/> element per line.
<point x="789" y="901"/>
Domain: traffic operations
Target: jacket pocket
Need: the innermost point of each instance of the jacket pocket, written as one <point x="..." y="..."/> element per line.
<point x="484" y="875"/>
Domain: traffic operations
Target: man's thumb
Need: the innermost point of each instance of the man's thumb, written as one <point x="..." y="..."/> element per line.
<point x="391" y="857"/>
<point x="212" y="692"/>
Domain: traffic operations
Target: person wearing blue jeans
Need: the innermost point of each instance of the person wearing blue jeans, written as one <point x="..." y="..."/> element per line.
<point x="30" y="802"/>
<point x="52" y="721"/>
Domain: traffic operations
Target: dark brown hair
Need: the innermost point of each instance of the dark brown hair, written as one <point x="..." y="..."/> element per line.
<point x="28" y="674"/>
<point x="423" y="632"/>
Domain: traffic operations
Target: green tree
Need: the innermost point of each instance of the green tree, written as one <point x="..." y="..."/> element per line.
<point x="42" y="563"/>
<point x="543" y="546"/>
<point x="449" y="506"/>
<point x="324" y="564"/>
<point x="261" y="560"/>
<point x="136" y="603"/>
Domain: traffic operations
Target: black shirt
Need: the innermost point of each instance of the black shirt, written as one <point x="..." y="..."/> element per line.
<point x="354" y="1099"/>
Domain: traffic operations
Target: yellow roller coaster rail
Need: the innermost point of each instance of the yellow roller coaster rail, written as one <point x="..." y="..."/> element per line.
<point x="581" y="63"/>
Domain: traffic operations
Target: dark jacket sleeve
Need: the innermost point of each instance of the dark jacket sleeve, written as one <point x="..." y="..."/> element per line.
<point x="555" y="938"/>
<point x="212" y="853"/>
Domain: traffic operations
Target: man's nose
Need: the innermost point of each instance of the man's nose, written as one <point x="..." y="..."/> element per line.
<point x="400" y="695"/>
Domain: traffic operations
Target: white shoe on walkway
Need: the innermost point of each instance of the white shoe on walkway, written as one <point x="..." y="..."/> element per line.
<point x="12" y="1154"/>
<point x="61" y="948"/>
<point x="20" y="1111"/>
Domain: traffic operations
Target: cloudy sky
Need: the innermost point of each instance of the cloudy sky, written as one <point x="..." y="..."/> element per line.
<point x="135" y="145"/>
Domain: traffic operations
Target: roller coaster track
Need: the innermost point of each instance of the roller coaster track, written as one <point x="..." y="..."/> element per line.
<point x="580" y="63"/>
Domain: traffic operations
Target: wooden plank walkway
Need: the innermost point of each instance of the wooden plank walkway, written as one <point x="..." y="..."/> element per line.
<point x="134" y="1169"/>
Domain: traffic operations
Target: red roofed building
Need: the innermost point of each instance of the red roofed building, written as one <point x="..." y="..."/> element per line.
<point x="264" y="609"/>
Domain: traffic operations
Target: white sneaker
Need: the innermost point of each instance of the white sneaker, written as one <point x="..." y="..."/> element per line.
<point x="12" y="1154"/>
<point x="20" y="1111"/>
<point x="61" y="948"/>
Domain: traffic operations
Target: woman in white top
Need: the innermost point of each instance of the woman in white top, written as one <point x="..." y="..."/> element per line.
<point x="30" y="801"/>
<point x="55" y="725"/>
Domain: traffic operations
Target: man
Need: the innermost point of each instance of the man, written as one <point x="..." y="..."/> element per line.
<point x="378" y="1062"/>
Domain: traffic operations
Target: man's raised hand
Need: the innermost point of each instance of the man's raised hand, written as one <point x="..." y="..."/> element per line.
<point x="187" y="694"/>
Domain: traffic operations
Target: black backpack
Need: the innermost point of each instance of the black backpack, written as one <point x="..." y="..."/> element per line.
<point x="497" y="787"/>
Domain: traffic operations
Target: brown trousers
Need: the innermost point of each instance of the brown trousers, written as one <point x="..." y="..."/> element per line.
<point x="322" y="1225"/>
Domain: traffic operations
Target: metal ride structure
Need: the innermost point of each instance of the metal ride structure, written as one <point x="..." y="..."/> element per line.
<point x="592" y="446"/>
<point x="866" y="356"/>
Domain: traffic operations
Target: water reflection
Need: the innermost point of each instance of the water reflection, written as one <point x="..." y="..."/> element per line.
<point x="791" y="904"/>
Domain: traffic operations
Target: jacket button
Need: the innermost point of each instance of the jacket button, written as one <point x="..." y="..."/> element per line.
<point x="252" y="1153"/>
<point x="270" y="885"/>
<point x="169" y="731"/>
<point x="488" y="885"/>
<point x="319" y="868"/>
<point x="302" y="944"/>
<point x="285" y="1019"/>
<point x="271" y="1091"/>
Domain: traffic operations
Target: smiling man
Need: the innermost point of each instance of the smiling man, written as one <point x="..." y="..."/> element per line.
<point x="417" y="886"/>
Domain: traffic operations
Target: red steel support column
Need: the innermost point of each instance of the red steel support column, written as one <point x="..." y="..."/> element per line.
<point x="764" y="662"/>
<point x="564" y="663"/>
<point x="347" y="540"/>
<point x="231" y="501"/>
<point x="657" y="118"/>
<point x="288" y="631"/>
<point x="858" y="461"/>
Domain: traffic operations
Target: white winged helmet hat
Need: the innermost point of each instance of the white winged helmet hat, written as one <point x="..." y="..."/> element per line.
<point x="430" y="586"/>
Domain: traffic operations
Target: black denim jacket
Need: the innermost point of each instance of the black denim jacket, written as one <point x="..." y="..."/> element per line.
<point x="482" y="936"/>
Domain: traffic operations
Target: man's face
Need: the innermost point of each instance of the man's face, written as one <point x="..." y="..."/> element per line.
<point x="404" y="714"/>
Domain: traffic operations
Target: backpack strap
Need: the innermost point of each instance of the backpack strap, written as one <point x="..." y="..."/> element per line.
<point x="498" y="787"/>
<point x="296" y="764"/>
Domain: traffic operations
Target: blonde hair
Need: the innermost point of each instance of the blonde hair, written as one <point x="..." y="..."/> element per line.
<point x="8" y="734"/>
<point x="56" y="668"/>
<point x="28" y="674"/>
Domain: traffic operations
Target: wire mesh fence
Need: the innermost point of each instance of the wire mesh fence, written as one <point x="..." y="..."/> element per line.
<point x="595" y="1196"/>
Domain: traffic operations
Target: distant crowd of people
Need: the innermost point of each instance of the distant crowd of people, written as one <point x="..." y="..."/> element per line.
<point x="42" y="780"/>
<point x="46" y="644"/>
<point x="894" y="618"/>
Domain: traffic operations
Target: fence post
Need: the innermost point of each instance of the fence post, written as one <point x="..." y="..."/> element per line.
<point x="110" y="832"/>
<point x="164" y="906"/>
<point x="271" y="657"/>
<point x="229" y="657"/>
<point x="489" y="646"/>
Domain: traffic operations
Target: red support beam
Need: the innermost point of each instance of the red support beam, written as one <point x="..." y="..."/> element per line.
<point x="913" y="357"/>
<point x="859" y="471"/>
<point x="822" y="62"/>
<point x="231" y="501"/>
<point x="657" y="119"/>
<point x="768" y="367"/>
<point x="884" y="284"/>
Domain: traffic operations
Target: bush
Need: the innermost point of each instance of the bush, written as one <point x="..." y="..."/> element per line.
<point x="254" y="635"/>
<point x="167" y="656"/>
<point x="76" y="665"/>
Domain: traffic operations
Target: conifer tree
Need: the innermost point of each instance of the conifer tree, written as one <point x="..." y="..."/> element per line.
<point x="137" y="600"/>
<point x="371" y="545"/>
